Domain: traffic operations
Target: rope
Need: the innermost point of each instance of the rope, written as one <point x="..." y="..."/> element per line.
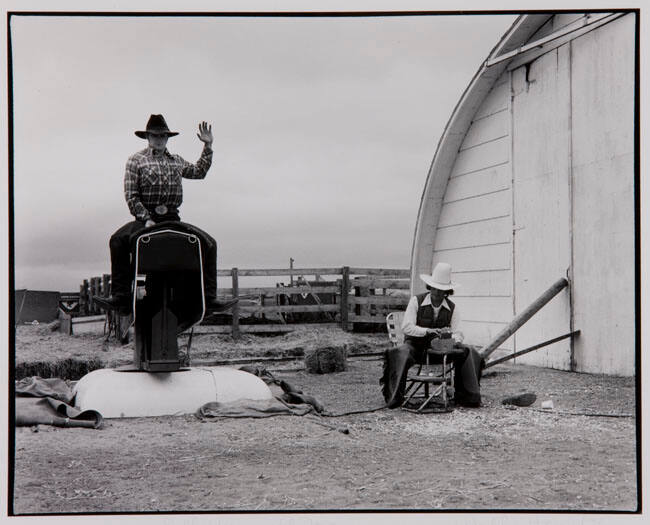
<point x="591" y="414"/>
<point x="355" y="412"/>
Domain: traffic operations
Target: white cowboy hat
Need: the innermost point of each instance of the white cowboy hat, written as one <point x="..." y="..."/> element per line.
<point x="440" y="278"/>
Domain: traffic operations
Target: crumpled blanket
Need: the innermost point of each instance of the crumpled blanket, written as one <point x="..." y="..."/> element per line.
<point x="252" y="408"/>
<point x="44" y="387"/>
<point x="286" y="400"/>
<point x="47" y="401"/>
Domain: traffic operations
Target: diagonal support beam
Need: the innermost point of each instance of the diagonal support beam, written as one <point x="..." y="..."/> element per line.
<point x="531" y="348"/>
<point x="524" y="316"/>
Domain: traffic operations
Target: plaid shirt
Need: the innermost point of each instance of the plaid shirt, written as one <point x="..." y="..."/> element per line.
<point x="152" y="179"/>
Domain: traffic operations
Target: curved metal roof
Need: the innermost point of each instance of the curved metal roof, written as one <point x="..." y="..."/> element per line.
<point x="452" y="137"/>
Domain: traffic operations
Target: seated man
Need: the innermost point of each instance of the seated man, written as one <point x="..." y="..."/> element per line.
<point x="154" y="192"/>
<point x="426" y="315"/>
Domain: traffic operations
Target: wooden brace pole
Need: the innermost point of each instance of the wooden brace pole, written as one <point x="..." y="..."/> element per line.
<point x="524" y="316"/>
<point x="531" y="348"/>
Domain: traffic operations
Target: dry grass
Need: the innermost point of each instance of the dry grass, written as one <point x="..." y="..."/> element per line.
<point x="495" y="457"/>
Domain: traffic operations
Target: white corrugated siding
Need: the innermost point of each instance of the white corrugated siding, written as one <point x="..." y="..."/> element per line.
<point x="602" y="76"/>
<point x="566" y="139"/>
<point x="541" y="138"/>
<point x="474" y="232"/>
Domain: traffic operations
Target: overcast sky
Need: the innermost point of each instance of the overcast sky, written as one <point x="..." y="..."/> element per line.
<point x="324" y="131"/>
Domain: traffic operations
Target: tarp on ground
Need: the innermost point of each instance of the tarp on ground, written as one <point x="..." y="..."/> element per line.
<point x="286" y="400"/>
<point x="48" y="401"/>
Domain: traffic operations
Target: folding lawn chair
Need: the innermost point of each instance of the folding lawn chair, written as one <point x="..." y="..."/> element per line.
<point x="436" y="371"/>
<point x="394" y="326"/>
<point x="435" y="378"/>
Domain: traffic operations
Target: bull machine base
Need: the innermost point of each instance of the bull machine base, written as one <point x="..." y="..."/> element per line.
<point x="115" y="394"/>
<point x="168" y="298"/>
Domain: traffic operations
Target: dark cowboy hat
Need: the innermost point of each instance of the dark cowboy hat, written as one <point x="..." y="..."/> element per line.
<point x="156" y="124"/>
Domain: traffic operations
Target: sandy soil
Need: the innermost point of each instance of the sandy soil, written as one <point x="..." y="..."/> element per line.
<point x="493" y="457"/>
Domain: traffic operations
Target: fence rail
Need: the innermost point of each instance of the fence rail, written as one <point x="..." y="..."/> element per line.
<point x="348" y="297"/>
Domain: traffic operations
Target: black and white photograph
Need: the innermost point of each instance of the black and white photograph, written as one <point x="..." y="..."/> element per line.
<point x="306" y="264"/>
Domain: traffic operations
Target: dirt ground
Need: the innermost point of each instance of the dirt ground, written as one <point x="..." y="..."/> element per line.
<point x="494" y="457"/>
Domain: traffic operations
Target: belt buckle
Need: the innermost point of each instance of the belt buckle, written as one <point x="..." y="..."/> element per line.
<point x="161" y="209"/>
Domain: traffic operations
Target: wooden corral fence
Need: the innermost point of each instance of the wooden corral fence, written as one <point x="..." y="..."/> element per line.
<point x="358" y="295"/>
<point x="75" y="309"/>
<point x="346" y="296"/>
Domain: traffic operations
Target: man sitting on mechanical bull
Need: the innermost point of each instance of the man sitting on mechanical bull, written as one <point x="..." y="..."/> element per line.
<point x="154" y="192"/>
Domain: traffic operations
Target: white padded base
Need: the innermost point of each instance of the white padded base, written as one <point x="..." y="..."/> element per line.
<point x="139" y="394"/>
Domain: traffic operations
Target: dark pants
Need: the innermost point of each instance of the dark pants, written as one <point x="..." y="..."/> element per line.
<point x="397" y="361"/>
<point x="122" y="271"/>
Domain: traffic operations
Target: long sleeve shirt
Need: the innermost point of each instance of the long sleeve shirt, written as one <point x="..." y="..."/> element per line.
<point x="409" y="322"/>
<point x="153" y="178"/>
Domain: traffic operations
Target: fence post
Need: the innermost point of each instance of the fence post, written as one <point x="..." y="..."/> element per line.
<point x="345" y="290"/>
<point x="105" y="285"/>
<point x="65" y="321"/>
<point x="96" y="285"/>
<point x="91" y="291"/>
<point x="83" y="298"/>
<point x="362" y="309"/>
<point x="235" y="309"/>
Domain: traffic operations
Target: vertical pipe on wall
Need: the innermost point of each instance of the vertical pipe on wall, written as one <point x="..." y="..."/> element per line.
<point x="512" y="197"/>
<point x="572" y="357"/>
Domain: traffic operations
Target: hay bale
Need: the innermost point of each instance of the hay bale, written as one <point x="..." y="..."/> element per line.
<point x="325" y="360"/>
<point x="71" y="369"/>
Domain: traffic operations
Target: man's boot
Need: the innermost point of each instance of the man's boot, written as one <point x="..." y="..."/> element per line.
<point x="214" y="306"/>
<point x="118" y="303"/>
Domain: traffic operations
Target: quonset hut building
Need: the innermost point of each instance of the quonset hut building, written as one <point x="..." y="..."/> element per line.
<point x="533" y="180"/>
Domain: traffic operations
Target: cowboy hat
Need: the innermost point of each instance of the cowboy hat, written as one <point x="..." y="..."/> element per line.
<point x="440" y="278"/>
<point x="156" y="124"/>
